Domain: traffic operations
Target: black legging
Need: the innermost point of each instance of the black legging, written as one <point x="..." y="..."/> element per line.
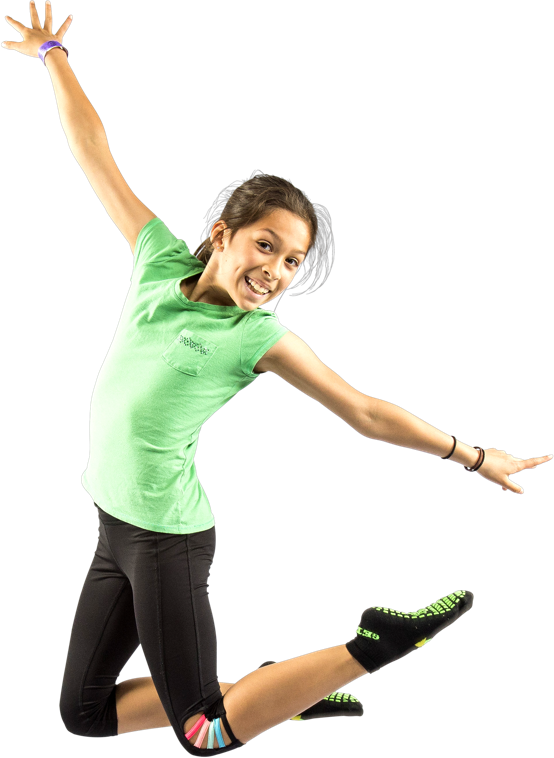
<point x="149" y="588"/>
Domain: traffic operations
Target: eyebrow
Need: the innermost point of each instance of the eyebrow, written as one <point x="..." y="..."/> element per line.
<point x="280" y="240"/>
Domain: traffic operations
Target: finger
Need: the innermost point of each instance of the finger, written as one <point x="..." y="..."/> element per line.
<point x="534" y="462"/>
<point x="66" y="24"/>
<point x="34" y="15"/>
<point x="16" y="25"/>
<point x="48" y="17"/>
<point x="513" y="487"/>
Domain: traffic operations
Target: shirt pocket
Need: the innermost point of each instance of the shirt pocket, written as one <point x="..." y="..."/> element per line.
<point x="189" y="352"/>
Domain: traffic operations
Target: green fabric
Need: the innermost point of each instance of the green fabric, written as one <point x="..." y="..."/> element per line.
<point x="171" y="365"/>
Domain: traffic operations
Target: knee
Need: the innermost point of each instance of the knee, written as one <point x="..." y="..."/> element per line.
<point x="71" y="718"/>
<point x="69" y="711"/>
<point x="93" y="720"/>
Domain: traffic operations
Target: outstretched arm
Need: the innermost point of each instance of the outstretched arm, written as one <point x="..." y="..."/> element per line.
<point x="293" y="360"/>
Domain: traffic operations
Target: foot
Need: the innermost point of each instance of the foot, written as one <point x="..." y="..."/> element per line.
<point x="335" y="704"/>
<point x="384" y="635"/>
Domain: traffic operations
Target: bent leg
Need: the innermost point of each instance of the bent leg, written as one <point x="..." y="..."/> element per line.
<point x="268" y="696"/>
<point x="271" y="695"/>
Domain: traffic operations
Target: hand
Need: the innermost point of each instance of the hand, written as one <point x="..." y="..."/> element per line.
<point x="38" y="35"/>
<point x="498" y="465"/>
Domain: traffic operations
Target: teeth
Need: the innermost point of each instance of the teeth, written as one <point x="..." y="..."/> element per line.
<point x="256" y="287"/>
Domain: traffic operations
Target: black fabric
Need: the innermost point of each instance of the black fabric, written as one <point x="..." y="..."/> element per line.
<point x="147" y="588"/>
<point x="217" y="711"/>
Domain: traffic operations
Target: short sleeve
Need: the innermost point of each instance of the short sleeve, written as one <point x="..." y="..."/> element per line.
<point x="160" y="255"/>
<point x="262" y="329"/>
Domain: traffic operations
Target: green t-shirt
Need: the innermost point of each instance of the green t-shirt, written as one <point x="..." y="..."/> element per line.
<point x="171" y="365"/>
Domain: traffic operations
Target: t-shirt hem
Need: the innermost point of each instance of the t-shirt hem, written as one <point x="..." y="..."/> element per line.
<point x="163" y="528"/>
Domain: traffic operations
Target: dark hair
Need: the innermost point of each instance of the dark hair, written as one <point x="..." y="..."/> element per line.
<point x="246" y="202"/>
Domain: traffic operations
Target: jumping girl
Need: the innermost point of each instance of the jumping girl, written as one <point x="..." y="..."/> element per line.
<point x="194" y="331"/>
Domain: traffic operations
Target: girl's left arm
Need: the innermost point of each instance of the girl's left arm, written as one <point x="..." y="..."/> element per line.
<point x="293" y="360"/>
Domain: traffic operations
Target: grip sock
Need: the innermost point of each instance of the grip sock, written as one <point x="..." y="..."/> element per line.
<point x="384" y="635"/>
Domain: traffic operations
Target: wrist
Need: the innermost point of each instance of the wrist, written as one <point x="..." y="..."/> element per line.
<point x="465" y="454"/>
<point x="54" y="55"/>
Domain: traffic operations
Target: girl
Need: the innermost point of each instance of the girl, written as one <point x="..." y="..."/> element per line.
<point x="193" y="333"/>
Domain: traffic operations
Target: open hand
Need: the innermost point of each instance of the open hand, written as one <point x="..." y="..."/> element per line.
<point x="498" y="465"/>
<point x="36" y="36"/>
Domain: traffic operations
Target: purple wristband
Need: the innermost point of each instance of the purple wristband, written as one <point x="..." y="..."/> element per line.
<point x="43" y="49"/>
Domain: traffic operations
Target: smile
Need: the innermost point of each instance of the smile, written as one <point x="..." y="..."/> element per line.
<point x="254" y="287"/>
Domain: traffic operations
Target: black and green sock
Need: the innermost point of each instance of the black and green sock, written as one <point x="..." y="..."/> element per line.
<point x="384" y="635"/>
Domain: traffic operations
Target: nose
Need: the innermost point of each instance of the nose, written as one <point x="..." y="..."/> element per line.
<point x="272" y="271"/>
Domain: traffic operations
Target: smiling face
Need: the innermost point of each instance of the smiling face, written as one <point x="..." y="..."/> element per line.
<point x="258" y="265"/>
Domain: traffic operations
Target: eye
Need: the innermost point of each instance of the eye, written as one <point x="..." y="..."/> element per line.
<point x="289" y="259"/>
